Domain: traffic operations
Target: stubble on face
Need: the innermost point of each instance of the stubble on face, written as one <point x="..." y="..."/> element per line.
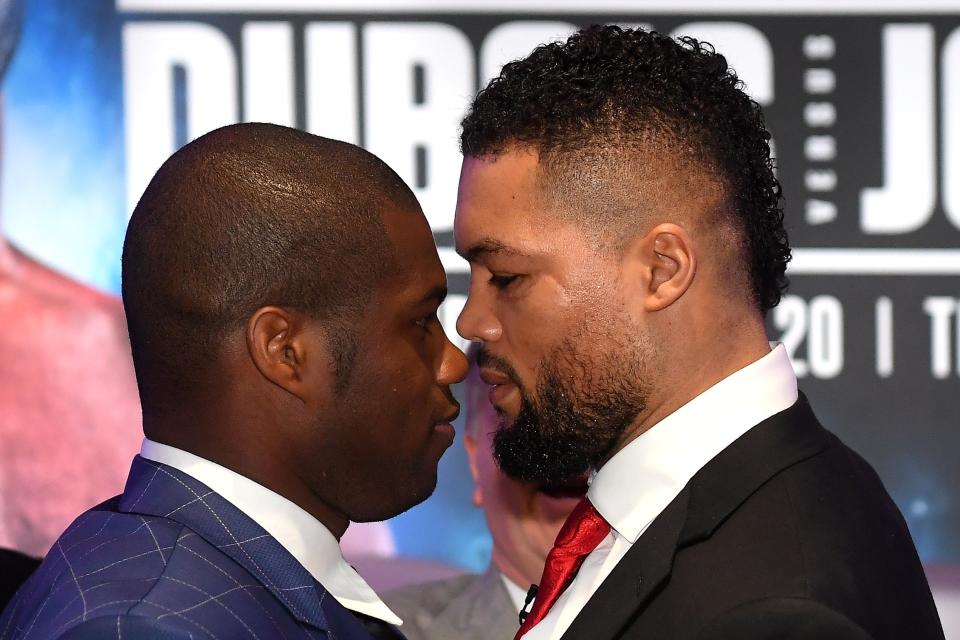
<point x="589" y="390"/>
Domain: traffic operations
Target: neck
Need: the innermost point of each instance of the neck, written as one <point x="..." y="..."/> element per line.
<point x="704" y="364"/>
<point x="227" y="443"/>
<point x="521" y="573"/>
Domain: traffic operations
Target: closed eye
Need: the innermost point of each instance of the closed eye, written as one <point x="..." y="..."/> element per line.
<point x="502" y="281"/>
<point x="426" y="321"/>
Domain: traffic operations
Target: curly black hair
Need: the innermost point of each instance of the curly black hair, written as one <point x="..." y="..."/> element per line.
<point x="607" y="89"/>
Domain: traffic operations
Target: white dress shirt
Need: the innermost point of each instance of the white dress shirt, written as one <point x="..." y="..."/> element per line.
<point x="305" y="537"/>
<point x="641" y="479"/>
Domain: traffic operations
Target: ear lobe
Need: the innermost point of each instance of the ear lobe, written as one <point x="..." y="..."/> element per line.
<point x="279" y="348"/>
<point x="672" y="265"/>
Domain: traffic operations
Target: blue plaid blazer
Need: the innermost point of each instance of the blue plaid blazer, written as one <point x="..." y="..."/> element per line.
<point x="172" y="559"/>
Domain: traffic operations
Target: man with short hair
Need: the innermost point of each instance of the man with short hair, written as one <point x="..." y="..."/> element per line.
<point x="281" y="291"/>
<point x="523" y="518"/>
<point x="624" y="227"/>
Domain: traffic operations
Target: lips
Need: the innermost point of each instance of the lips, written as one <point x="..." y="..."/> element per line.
<point x="494" y="377"/>
<point x="501" y="386"/>
<point x="446" y="433"/>
<point x="443" y="430"/>
<point x="450" y="417"/>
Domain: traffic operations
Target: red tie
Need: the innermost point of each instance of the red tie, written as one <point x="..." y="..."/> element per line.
<point x="584" y="529"/>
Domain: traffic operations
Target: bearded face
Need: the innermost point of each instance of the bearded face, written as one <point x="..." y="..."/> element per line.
<point x="585" y="397"/>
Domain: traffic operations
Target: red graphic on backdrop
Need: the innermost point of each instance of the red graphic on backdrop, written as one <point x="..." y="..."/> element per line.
<point x="70" y="419"/>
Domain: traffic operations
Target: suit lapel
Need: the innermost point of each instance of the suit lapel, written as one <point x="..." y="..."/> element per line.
<point x="160" y="490"/>
<point x="779" y="442"/>
<point x="715" y="492"/>
<point x="635" y="579"/>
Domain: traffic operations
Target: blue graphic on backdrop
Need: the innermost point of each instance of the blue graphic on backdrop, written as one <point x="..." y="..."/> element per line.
<point x="63" y="141"/>
<point x="64" y="187"/>
<point x="63" y="202"/>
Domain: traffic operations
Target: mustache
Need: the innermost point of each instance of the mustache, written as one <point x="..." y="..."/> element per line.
<point x="487" y="360"/>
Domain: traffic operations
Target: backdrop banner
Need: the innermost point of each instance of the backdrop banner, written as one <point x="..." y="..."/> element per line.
<point x="862" y="99"/>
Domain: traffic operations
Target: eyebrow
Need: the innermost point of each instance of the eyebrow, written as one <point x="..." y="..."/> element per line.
<point x="489" y="246"/>
<point x="437" y="294"/>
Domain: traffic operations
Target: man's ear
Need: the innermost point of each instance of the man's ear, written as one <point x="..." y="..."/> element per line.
<point x="662" y="264"/>
<point x="470" y="444"/>
<point x="285" y="349"/>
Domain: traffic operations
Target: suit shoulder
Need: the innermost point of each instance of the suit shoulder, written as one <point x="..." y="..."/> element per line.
<point x="103" y="565"/>
<point x="839" y="504"/>
<point x="121" y="626"/>
<point x="470" y="606"/>
<point x="431" y="596"/>
<point x="104" y="546"/>
<point x="138" y="570"/>
<point x="827" y="519"/>
<point x="782" y="619"/>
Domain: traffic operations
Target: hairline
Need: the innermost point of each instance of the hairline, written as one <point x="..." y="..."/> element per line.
<point x="556" y="160"/>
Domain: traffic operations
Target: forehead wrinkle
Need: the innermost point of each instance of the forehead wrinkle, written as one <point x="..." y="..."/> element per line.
<point x="490" y="246"/>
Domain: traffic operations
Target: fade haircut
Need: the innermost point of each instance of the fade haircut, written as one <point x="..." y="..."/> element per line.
<point x="599" y="106"/>
<point x="11" y="18"/>
<point x="248" y="216"/>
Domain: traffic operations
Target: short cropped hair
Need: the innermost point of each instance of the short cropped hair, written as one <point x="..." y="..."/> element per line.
<point x="607" y="91"/>
<point x="247" y="216"/>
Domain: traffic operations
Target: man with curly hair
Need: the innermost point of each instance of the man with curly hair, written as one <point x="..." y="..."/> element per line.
<point x="624" y="228"/>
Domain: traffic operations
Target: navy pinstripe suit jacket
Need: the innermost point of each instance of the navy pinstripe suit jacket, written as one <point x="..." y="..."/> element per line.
<point x="169" y="558"/>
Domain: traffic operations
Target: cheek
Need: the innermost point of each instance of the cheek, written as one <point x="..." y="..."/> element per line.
<point x="531" y="335"/>
<point x="399" y="379"/>
<point x="529" y="320"/>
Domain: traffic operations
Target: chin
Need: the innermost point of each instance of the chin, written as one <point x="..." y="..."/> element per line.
<point x="397" y="504"/>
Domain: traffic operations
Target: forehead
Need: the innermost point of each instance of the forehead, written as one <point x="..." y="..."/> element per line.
<point x="417" y="268"/>
<point x="596" y="196"/>
<point x="500" y="203"/>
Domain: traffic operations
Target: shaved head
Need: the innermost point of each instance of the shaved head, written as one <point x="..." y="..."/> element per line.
<point x="244" y="217"/>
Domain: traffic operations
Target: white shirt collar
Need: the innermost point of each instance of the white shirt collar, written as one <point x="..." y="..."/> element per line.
<point x="518" y="596"/>
<point x="305" y="537"/>
<point x="641" y="479"/>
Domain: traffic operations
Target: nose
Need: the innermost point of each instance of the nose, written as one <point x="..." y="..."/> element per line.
<point x="453" y="365"/>
<point x="476" y="322"/>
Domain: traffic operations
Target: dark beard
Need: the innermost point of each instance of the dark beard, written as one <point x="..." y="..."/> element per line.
<point x="576" y="418"/>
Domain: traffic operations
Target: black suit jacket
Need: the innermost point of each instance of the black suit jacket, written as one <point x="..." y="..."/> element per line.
<point x="787" y="533"/>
